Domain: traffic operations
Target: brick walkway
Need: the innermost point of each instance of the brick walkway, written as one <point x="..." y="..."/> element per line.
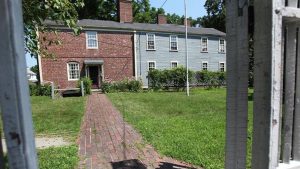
<point x="102" y="144"/>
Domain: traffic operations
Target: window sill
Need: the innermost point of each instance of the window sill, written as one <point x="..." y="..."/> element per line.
<point x="292" y="165"/>
<point x="151" y="50"/>
<point x="91" y="48"/>
<point x="204" y="51"/>
<point x="73" y="80"/>
<point x="173" y="50"/>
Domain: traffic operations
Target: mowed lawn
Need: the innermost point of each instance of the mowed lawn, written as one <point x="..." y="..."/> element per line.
<point x="191" y="129"/>
<point x="58" y="118"/>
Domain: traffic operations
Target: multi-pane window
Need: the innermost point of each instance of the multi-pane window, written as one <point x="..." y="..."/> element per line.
<point x="222" y="46"/>
<point x="91" y="40"/>
<point x="222" y="67"/>
<point x="204" y="42"/>
<point x="173" y="43"/>
<point x="73" y="71"/>
<point x="204" y="65"/>
<point x="174" y="64"/>
<point x="151" y="65"/>
<point x="150" y="42"/>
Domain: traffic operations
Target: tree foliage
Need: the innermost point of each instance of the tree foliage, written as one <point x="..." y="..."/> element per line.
<point x="35" y="12"/>
<point x="216" y="15"/>
<point x="98" y="9"/>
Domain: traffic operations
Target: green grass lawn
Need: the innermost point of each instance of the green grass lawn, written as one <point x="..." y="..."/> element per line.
<point x="59" y="117"/>
<point x="62" y="118"/>
<point x="191" y="129"/>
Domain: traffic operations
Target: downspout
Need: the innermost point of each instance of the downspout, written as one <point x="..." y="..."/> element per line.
<point x="140" y="53"/>
<point x="135" y="62"/>
<point x="39" y="59"/>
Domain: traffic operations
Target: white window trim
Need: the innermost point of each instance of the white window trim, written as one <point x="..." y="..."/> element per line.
<point x="220" y="45"/>
<point x="68" y="72"/>
<point x="224" y="66"/>
<point x="176" y="43"/>
<point x="206" y="44"/>
<point x="202" y="65"/>
<point x="86" y="39"/>
<point x="153" y="40"/>
<point x="174" y="62"/>
<point x="149" y="62"/>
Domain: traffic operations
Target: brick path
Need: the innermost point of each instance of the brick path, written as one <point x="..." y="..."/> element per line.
<point x="102" y="144"/>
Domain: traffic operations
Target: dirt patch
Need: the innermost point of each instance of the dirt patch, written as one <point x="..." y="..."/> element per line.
<point x="45" y="142"/>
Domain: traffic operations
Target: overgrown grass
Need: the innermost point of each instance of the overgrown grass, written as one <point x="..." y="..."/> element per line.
<point x="59" y="117"/>
<point x="191" y="129"/>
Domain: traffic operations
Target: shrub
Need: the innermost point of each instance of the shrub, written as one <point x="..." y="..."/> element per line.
<point x="40" y="90"/>
<point x="122" y="86"/>
<point x="87" y="84"/>
<point x="210" y="79"/>
<point x="164" y="79"/>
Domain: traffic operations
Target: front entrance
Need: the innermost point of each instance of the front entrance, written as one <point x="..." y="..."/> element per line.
<point x="94" y="76"/>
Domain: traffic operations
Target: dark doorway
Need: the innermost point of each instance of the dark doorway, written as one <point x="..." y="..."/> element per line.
<point x="94" y="76"/>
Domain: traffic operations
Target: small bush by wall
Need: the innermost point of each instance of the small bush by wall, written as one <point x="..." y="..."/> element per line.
<point x="125" y="85"/>
<point x="87" y="84"/>
<point x="210" y="79"/>
<point x="39" y="90"/>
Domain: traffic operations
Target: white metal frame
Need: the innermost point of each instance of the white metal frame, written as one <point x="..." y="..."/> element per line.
<point x="87" y="39"/>
<point x="14" y="90"/>
<point x="151" y="62"/>
<point x="154" y="41"/>
<point x="68" y="70"/>
<point x="202" y="44"/>
<point x="170" y="43"/>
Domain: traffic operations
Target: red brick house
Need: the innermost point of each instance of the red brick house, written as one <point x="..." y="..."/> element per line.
<point x="101" y="54"/>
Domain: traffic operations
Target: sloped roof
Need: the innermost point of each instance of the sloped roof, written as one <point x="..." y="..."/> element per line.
<point x="167" y="28"/>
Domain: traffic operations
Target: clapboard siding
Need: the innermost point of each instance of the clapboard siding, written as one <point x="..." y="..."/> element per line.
<point x="163" y="56"/>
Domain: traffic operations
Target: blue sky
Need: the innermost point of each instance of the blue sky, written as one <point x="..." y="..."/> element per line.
<point x="195" y="10"/>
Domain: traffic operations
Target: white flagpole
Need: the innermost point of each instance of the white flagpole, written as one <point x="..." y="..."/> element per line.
<point x="186" y="52"/>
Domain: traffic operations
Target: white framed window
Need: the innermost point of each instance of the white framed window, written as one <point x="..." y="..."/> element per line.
<point x="204" y="44"/>
<point x="174" y="64"/>
<point x="73" y="71"/>
<point x="91" y="40"/>
<point x="222" y="46"/>
<point x="222" y="67"/>
<point x="150" y="41"/>
<point x="151" y="65"/>
<point x="204" y="65"/>
<point x="173" y="43"/>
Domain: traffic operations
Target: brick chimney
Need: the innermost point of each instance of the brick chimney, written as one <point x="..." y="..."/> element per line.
<point x="188" y="23"/>
<point x="161" y="19"/>
<point x="125" y="10"/>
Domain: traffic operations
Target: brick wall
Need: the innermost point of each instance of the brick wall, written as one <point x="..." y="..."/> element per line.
<point x="115" y="49"/>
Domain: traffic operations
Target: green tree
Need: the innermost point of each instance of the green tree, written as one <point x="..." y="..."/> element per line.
<point x="216" y="15"/>
<point x="98" y="9"/>
<point x="35" y="69"/>
<point x="35" y="12"/>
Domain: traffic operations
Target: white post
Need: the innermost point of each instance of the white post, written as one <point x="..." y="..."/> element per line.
<point x="1" y="153"/>
<point x="82" y="88"/>
<point x="52" y="90"/>
<point x="186" y="51"/>
<point x="14" y="90"/>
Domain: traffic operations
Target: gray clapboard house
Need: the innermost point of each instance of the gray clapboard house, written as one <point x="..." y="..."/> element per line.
<point x="163" y="47"/>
